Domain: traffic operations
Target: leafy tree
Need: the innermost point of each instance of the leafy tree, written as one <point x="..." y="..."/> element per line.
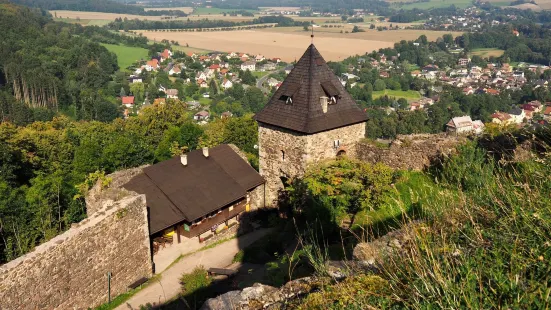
<point x="379" y="85"/>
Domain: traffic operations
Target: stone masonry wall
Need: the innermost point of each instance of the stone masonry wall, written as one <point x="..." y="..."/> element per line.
<point x="413" y="152"/>
<point x="70" y="271"/>
<point x="99" y="198"/>
<point x="321" y="145"/>
<point x="281" y="153"/>
<point x="299" y="150"/>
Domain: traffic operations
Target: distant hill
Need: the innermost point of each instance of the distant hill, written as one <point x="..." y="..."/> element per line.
<point x="106" y="6"/>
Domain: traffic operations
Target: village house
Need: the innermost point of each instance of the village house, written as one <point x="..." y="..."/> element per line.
<point x="135" y="79"/>
<point x="201" y="116"/>
<point x="152" y="65"/>
<point x="226" y="114"/>
<point x="464" y="125"/>
<point x="270" y="66"/>
<point x="226" y="84"/>
<point x="175" y="70"/>
<point x="463" y="61"/>
<point x="128" y="101"/>
<point x="195" y="194"/>
<point x="159" y="101"/>
<point x="193" y="104"/>
<point x="171" y="93"/>
<point x="166" y="54"/>
<point x="272" y="82"/>
<point x="202" y="84"/>
<point x="517" y="115"/>
<point x="502" y="118"/>
<point x="248" y="65"/>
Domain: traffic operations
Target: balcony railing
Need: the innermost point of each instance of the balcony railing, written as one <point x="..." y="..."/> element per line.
<point x="219" y="218"/>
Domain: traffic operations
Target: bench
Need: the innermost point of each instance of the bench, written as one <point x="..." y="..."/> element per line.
<point x="137" y="283"/>
<point x="222" y="271"/>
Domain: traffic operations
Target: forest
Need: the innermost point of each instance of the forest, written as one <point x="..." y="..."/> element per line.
<point x="60" y="126"/>
<point x="134" y="24"/>
<point x="107" y="6"/>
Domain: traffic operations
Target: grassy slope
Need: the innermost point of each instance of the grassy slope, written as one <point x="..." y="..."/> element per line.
<point x="126" y="55"/>
<point x="410" y="94"/>
<point x="487" y="52"/>
<point x="483" y="242"/>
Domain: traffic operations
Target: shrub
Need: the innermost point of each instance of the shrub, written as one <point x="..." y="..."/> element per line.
<point x="194" y="286"/>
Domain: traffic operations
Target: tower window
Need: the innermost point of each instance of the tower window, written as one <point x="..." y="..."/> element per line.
<point x="287" y="99"/>
<point x="282" y="155"/>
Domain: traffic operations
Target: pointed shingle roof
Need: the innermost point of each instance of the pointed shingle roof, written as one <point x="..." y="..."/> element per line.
<point x="311" y="79"/>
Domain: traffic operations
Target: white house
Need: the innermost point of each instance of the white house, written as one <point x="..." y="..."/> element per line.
<point x="226" y="84"/>
<point x="174" y="71"/>
<point x="248" y="65"/>
<point x="517" y="115"/>
<point x="171" y="93"/>
<point x="460" y="125"/>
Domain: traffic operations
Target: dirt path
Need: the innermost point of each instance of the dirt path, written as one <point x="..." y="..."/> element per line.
<point x="168" y="286"/>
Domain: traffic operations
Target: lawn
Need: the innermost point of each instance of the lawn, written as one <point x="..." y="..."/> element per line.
<point x="126" y="55"/>
<point x="409" y="94"/>
<point x="487" y="52"/>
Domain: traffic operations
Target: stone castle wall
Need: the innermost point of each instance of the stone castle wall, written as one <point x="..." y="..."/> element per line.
<point x="284" y="153"/>
<point x="321" y="145"/>
<point x="70" y="271"/>
<point x="412" y="152"/>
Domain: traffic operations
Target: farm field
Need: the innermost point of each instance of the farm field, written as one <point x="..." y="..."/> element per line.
<point x="435" y="4"/>
<point x="185" y="9"/>
<point x="126" y="55"/>
<point x="98" y="15"/>
<point x="369" y="34"/>
<point x="409" y="94"/>
<point x="487" y="52"/>
<point x="290" y="43"/>
<point x="544" y="4"/>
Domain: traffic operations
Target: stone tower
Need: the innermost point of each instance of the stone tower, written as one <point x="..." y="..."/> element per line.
<point x="311" y="117"/>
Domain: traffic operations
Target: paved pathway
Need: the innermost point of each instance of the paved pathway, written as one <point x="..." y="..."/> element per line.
<point x="263" y="79"/>
<point x="168" y="286"/>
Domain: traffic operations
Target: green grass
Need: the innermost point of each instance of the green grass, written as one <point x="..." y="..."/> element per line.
<point x="207" y="11"/>
<point x="259" y="74"/>
<point x="437" y="4"/>
<point x="127" y="55"/>
<point x="409" y="94"/>
<point x="487" y="52"/>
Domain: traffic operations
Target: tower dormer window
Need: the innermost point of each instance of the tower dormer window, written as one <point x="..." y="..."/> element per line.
<point x="333" y="100"/>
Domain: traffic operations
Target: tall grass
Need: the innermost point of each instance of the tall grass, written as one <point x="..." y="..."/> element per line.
<point x="486" y="246"/>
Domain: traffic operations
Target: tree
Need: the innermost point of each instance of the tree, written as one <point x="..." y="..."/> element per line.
<point x="247" y="77"/>
<point x="122" y="93"/>
<point x="254" y="100"/>
<point x="379" y="85"/>
<point x="138" y="90"/>
<point x="344" y="18"/>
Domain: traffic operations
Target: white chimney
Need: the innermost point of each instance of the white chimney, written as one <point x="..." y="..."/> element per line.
<point x="206" y="152"/>
<point x="324" y="102"/>
<point x="183" y="159"/>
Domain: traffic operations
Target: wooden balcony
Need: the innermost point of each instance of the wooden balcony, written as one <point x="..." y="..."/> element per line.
<point x="219" y="218"/>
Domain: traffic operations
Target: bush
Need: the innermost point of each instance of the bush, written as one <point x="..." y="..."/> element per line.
<point x="194" y="286"/>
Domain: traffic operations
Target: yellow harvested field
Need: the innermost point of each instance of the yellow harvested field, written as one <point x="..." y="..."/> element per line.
<point x="185" y="9"/>
<point x="289" y="44"/>
<point x="544" y="4"/>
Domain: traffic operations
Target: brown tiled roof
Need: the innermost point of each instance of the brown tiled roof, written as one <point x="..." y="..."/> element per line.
<point x="311" y="79"/>
<point x="175" y="193"/>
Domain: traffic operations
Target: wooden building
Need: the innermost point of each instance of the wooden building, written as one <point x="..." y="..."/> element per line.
<point x="194" y="193"/>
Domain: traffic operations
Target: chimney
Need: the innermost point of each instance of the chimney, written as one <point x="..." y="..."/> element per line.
<point x="206" y="152"/>
<point x="324" y="102"/>
<point x="183" y="160"/>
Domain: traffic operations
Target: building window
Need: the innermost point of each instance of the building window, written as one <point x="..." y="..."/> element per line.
<point x="231" y="208"/>
<point x="282" y="155"/>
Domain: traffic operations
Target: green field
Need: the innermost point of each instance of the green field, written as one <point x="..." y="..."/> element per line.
<point x="487" y="52"/>
<point x="437" y="4"/>
<point x="409" y="94"/>
<point x="126" y="55"/>
<point x="207" y="11"/>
